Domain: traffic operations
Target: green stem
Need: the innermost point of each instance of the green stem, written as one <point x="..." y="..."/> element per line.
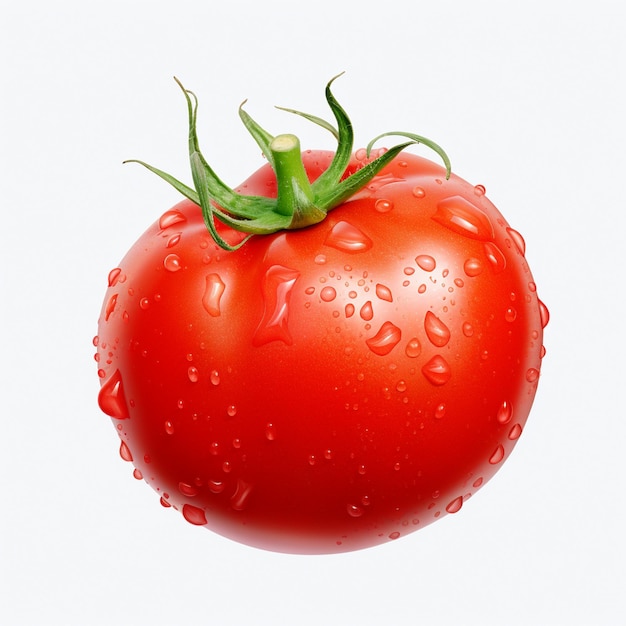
<point x="295" y="195"/>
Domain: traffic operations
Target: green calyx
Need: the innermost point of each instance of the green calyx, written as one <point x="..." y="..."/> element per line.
<point x="299" y="203"/>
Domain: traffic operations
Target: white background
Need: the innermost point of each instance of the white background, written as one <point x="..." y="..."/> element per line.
<point x="526" y="97"/>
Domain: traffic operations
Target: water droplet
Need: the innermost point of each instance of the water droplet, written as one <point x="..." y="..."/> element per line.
<point x="110" y="307"/>
<point x="137" y="475"/>
<point x="384" y="293"/>
<point x="477" y="483"/>
<point x="437" y="332"/>
<point x="216" y="486"/>
<point x="497" y="456"/>
<point x="348" y="238"/>
<point x="349" y="310"/>
<point x="173" y="240"/>
<point x="515" y="432"/>
<point x="165" y="503"/>
<point x="215" y="378"/>
<point x="194" y="515"/>
<point x="367" y="312"/>
<point x="383" y="206"/>
<point x="114" y="276"/>
<point x="172" y="263"/>
<point x="354" y="510"/>
<point x="385" y="340"/>
<point x="480" y="190"/>
<point x="468" y="329"/>
<point x="440" y="411"/>
<point x="544" y="313"/>
<point x="394" y="535"/>
<point x="464" y="218"/>
<point x="426" y="262"/>
<point x="192" y="374"/>
<point x="532" y="375"/>
<point x="239" y="499"/>
<point x="518" y="240"/>
<point x="328" y="294"/>
<point x="413" y="348"/>
<point x="144" y="303"/>
<point x="125" y="452"/>
<point x="455" y="505"/>
<point x="111" y="399"/>
<point x="418" y="192"/>
<point x="277" y="286"/>
<point x="187" y="490"/>
<point x="495" y="257"/>
<point x="320" y="259"/>
<point x="504" y="413"/>
<point x="437" y="371"/>
<point x="472" y="267"/>
<point x="213" y="291"/>
<point x="169" y="427"/>
<point x="270" y="432"/>
<point x="231" y="411"/>
<point x="510" y="314"/>
<point x="169" y="218"/>
<point x="401" y="386"/>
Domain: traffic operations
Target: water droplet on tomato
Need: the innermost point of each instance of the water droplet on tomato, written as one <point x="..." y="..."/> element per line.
<point x="270" y="432"/>
<point x="187" y="490"/>
<point x="194" y="515"/>
<point x="231" y="411"/>
<point x="110" y="307"/>
<point x="144" y="303"/>
<point x="169" y="427"/>
<point x="114" y="276"/>
<point x="367" y="312"/>
<point x="478" y="482"/>
<point x="394" y="535"/>
<point x="440" y="411"/>
<point x="497" y="456"/>
<point x="468" y="329"/>
<point x="328" y="294"/>
<point x="515" y="432"/>
<point x="354" y="510"/>
<point x="383" y="206"/>
<point x="137" y="475"/>
<point x="418" y="192"/>
<point x="169" y="218"/>
<point x="385" y="340"/>
<point x="349" y="309"/>
<point x="164" y="503"/>
<point x="384" y="293"/>
<point x="216" y="486"/>
<point x="348" y="238"/>
<point x="401" y="386"/>
<point x="437" y="332"/>
<point x="532" y="375"/>
<point x="455" y="505"/>
<point x="213" y="291"/>
<point x="192" y="374"/>
<point x="510" y="314"/>
<point x="495" y="257"/>
<point x="173" y="240"/>
<point x="172" y="263"/>
<point x="111" y="399"/>
<point x="277" y="286"/>
<point x="544" y="313"/>
<point x="472" y="267"/>
<point x="464" y="218"/>
<point x="504" y="413"/>
<point x="125" y="452"/>
<point x="437" y="371"/>
<point x="426" y="262"/>
<point x="518" y="240"/>
<point x="480" y="190"/>
<point x="413" y="348"/>
<point x="239" y="499"/>
<point x="215" y="378"/>
<point x="320" y="259"/>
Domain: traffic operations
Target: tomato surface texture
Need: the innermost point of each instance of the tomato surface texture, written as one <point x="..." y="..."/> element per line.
<point x="332" y="388"/>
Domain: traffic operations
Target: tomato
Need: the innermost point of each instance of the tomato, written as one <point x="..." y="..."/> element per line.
<point x="329" y="388"/>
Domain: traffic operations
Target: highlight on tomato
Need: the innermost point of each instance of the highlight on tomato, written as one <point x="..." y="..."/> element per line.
<point x="339" y="352"/>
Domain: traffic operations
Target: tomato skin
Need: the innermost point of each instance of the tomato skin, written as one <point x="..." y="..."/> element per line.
<point x="331" y="388"/>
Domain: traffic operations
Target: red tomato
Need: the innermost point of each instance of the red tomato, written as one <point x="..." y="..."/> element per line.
<point x="331" y="388"/>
